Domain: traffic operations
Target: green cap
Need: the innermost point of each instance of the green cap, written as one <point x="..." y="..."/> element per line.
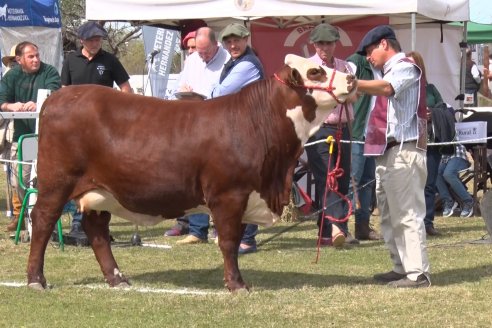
<point x="324" y="32"/>
<point x="234" y="29"/>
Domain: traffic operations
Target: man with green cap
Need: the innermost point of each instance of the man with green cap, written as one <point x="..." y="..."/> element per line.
<point x="243" y="68"/>
<point x="324" y="38"/>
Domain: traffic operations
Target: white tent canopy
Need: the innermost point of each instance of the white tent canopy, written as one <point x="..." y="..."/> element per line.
<point x="290" y="13"/>
<point x="284" y="11"/>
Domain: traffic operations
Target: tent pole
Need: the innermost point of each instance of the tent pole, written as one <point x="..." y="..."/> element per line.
<point x="463" y="46"/>
<point x="414" y="31"/>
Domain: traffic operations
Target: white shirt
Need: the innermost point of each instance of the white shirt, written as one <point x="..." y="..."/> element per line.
<point x="202" y="76"/>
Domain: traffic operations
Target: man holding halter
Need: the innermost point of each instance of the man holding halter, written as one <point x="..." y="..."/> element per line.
<point x="397" y="135"/>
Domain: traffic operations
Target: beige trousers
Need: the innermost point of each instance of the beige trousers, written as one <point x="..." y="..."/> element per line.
<point x="26" y="173"/>
<point x="400" y="182"/>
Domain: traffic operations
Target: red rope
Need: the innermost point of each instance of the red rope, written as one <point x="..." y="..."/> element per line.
<point x="331" y="185"/>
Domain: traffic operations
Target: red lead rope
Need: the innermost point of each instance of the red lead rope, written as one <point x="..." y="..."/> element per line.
<point x="332" y="185"/>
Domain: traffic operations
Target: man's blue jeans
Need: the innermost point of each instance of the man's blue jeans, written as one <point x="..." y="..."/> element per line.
<point x="199" y="224"/>
<point x="364" y="174"/>
<point x="448" y="173"/>
<point x="318" y="158"/>
<point x="250" y="234"/>
<point x="433" y="160"/>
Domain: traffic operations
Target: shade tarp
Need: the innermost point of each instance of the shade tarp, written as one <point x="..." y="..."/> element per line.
<point x="283" y="11"/>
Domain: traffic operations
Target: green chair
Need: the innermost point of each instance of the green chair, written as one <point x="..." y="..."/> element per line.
<point x="27" y="151"/>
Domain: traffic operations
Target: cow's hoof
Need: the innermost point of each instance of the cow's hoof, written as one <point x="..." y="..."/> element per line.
<point x="36" y="286"/>
<point x="123" y="285"/>
<point x="237" y="287"/>
<point x="241" y="291"/>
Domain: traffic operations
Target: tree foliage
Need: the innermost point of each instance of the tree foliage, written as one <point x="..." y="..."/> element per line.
<point x="122" y="37"/>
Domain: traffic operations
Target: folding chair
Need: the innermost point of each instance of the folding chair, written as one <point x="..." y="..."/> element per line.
<point x="27" y="151"/>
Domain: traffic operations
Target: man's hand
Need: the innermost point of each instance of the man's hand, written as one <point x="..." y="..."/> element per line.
<point x="185" y="88"/>
<point x="29" y="106"/>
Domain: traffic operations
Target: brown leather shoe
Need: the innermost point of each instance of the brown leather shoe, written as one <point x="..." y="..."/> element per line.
<point x="431" y="231"/>
<point x="363" y="231"/>
<point x="12" y="226"/>
<point x="389" y="276"/>
<point x="190" y="239"/>
<point x="349" y="239"/>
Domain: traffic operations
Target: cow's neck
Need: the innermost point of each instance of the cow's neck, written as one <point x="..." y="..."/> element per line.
<point x="305" y="129"/>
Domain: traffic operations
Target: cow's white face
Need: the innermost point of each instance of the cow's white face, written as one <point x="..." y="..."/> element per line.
<point x="316" y="76"/>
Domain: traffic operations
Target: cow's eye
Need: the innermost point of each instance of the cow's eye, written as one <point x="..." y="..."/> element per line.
<point x="316" y="73"/>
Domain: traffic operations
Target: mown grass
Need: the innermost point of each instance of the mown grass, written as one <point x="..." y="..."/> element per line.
<point x="288" y="288"/>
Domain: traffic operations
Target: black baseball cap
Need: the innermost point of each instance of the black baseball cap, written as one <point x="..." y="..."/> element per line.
<point x="91" y="29"/>
<point x="374" y="36"/>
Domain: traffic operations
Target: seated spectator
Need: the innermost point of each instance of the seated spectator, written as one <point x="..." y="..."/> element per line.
<point x="448" y="178"/>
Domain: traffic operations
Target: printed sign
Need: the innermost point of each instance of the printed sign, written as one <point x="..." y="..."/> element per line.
<point x="160" y="46"/>
<point x="471" y="132"/>
<point x="15" y="13"/>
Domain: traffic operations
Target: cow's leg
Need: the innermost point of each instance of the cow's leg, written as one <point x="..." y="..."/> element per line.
<point x="43" y="223"/>
<point x="227" y="216"/>
<point x="96" y="226"/>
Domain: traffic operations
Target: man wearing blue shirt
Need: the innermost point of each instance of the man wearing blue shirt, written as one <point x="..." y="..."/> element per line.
<point x="243" y="68"/>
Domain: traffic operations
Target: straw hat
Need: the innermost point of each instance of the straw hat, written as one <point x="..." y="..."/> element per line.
<point x="6" y="60"/>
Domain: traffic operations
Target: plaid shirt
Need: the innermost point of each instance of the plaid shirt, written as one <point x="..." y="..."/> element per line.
<point x="460" y="151"/>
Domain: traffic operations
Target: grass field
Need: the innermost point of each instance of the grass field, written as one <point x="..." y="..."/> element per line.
<point x="182" y="286"/>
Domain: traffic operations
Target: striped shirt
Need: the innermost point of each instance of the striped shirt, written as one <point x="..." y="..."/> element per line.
<point x="402" y="108"/>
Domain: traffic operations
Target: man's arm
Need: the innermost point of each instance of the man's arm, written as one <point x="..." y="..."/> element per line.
<point x="65" y="73"/>
<point x="242" y="74"/>
<point x="375" y="87"/>
<point x="126" y="87"/>
<point x="52" y="79"/>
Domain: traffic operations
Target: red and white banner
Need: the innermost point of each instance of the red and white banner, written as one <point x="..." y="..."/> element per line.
<point x="272" y="44"/>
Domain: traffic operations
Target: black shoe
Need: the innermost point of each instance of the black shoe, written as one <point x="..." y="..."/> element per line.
<point x="421" y="281"/>
<point x="76" y="231"/>
<point x="389" y="276"/>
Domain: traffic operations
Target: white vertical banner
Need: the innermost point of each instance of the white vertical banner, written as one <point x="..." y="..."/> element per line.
<point x="160" y="48"/>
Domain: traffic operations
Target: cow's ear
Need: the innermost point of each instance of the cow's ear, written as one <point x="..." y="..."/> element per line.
<point x="295" y="78"/>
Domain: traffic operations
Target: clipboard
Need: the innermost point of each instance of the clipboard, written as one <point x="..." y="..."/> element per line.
<point x="189" y="95"/>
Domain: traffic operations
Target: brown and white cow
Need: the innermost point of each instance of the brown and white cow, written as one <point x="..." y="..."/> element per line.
<point x="146" y="159"/>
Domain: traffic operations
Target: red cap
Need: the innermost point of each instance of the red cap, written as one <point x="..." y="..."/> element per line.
<point x="188" y="36"/>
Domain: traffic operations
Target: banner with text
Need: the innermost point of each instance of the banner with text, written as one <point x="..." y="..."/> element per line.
<point x="160" y="46"/>
<point x="17" y="13"/>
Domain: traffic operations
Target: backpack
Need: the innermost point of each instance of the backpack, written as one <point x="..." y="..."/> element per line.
<point x="443" y="127"/>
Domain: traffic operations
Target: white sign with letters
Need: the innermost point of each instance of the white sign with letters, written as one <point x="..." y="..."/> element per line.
<point x="472" y="132"/>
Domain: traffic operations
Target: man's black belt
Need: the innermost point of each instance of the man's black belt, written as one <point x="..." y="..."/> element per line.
<point x="393" y="143"/>
<point x="328" y="125"/>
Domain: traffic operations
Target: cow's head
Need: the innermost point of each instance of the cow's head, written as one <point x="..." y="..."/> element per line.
<point x="327" y="86"/>
<point x="323" y="88"/>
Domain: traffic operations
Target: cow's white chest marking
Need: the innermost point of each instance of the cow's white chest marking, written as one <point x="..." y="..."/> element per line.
<point x="304" y="129"/>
